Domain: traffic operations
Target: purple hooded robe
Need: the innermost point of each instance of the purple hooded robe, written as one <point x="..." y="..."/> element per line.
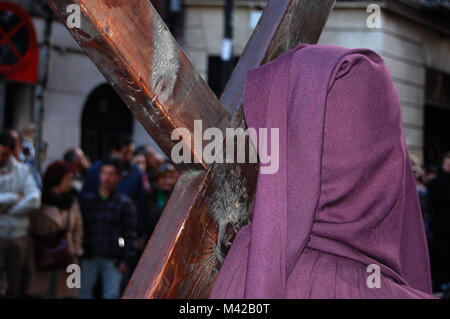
<point x="344" y="195"/>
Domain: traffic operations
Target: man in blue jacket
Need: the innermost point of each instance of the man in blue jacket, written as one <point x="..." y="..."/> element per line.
<point x="131" y="185"/>
<point x="110" y="225"/>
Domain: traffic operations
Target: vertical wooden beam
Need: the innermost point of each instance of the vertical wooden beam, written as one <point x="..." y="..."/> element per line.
<point x="283" y="25"/>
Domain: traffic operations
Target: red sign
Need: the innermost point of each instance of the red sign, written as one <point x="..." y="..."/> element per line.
<point x="19" y="51"/>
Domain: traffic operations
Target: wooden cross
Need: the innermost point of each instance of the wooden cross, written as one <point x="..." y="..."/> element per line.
<point x="136" y="53"/>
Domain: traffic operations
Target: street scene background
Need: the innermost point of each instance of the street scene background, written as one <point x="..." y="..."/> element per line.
<point x="87" y="152"/>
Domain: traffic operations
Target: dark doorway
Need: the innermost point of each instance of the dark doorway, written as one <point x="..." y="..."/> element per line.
<point x="105" y="116"/>
<point x="437" y="134"/>
<point x="437" y="117"/>
<point x="18" y="102"/>
<point x="215" y="70"/>
<point x="10" y="94"/>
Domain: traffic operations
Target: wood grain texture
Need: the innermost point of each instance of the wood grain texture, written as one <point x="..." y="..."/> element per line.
<point x="136" y="53"/>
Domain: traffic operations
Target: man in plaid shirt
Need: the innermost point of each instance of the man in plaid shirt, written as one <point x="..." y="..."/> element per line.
<point x="110" y="227"/>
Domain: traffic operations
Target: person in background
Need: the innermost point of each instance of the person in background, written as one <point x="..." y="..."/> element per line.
<point x="166" y="178"/>
<point x="419" y="175"/>
<point x="431" y="173"/>
<point x="18" y="139"/>
<point x="439" y="190"/>
<point x="59" y="214"/>
<point x="143" y="222"/>
<point x="19" y="197"/>
<point x="131" y="183"/>
<point x="18" y="154"/>
<point x="80" y="164"/>
<point x="144" y="217"/>
<point x="141" y="163"/>
<point x="110" y="227"/>
<point x="424" y="198"/>
<point x="154" y="161"/>
<point x="28" y="143"/>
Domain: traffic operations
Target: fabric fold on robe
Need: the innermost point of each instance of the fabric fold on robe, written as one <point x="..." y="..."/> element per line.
<point x="344" y="195"/>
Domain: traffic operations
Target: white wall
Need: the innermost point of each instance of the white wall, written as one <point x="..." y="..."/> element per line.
<point x="72" y="76"/>
<point x="204" y="31"/>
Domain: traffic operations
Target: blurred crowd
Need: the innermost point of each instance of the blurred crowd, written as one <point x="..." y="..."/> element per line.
<point x="98" y="216"/>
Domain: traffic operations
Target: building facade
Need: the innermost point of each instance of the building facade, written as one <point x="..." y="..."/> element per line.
<point x="414" y="44"/>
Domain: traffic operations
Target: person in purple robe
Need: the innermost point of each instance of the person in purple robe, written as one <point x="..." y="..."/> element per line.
<point x="341" y="217"/>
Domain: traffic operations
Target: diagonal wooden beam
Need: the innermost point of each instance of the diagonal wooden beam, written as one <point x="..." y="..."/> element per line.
<point x="283" y="25"/>
<point x="137" y="54"/>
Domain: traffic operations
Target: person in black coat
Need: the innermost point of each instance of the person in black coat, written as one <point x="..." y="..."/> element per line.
<point x="439" y="191"/>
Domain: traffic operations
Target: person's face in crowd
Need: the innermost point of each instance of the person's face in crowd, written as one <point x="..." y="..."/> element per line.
<point x="158" y="161"/>
<point x="18" y="149"/>
<point x="125" y="153"/>
<point x="5" y="154"/>
<point x="446" y="165"/>
<point x="140" y="162"/>
<point x="420" y="177"/>
<point x="109" y="177"/>
<point x="30" y="132"/>
<point x="65" y="184"/>
<point x="154" y="159"/>
<point x="149" y="154"/>
<point x="168" y="180"/>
